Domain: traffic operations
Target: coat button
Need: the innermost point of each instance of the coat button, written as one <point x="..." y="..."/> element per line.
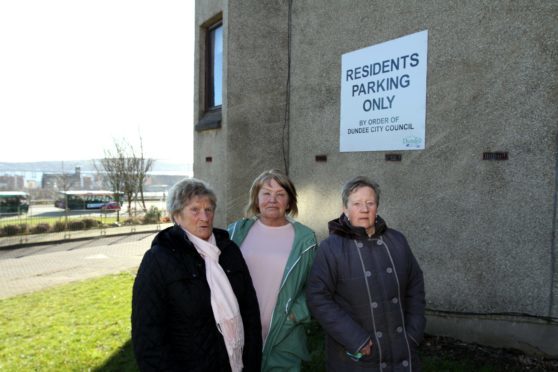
<point x="399" y="329"/>
<point x="389" y="270"/>
<point x="359" y="244"/>
<point x="374" y="305"/>
<point x="379" y="334"/>
<point x="368" y="273"/>
<point x="405" y="363"/>
<point x="379" y="242"/>
<point x="383" y="365"/>
<point x="394" y="300"/>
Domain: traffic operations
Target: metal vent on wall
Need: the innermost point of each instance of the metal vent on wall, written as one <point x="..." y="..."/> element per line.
<point x="393" y="157"/>
<point x="497" y="155"/>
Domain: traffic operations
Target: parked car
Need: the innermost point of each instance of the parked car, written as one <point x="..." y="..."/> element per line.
<point x="110" y="207"/>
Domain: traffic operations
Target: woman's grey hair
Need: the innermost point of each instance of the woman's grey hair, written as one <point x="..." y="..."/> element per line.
<point x="355" y="184"/>
<point x="253" y="209"/>
<point x="182" y="192"/>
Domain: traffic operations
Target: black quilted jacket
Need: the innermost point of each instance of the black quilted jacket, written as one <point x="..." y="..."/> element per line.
<point x="173" y="328"/>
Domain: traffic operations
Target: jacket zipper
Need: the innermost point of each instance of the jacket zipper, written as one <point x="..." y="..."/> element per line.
<point x="281" y="287"/>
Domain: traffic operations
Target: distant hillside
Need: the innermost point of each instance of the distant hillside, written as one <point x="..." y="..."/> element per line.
<point x="68" y="166"/>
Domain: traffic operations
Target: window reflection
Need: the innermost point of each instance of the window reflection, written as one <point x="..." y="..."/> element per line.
<point x="216" y="66"/>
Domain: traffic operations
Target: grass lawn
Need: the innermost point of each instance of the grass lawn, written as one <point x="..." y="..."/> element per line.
<point x="86" y="326"/>
<point x="75" y="327"/>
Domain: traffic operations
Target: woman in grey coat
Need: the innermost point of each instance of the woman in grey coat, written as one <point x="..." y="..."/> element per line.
<point x="366" y="289"/>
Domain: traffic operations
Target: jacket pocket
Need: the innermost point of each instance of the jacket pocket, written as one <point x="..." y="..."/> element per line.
<point x="293" y="345"/>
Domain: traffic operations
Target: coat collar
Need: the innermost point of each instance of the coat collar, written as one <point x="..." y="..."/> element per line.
<point x="342" y="227"/>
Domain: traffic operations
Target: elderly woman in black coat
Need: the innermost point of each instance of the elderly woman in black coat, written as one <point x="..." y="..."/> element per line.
<point x="366" y="289"/>
<point x="194" y="307"/>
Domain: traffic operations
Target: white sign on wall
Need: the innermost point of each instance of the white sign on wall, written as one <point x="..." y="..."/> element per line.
<point x="383" y="96"/>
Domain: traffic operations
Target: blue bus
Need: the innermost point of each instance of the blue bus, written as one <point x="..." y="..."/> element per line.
<point x="14" y="202"/>
<point x="94" y="199"/>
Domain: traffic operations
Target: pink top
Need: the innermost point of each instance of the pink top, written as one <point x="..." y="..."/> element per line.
<point x="266" y="250"/>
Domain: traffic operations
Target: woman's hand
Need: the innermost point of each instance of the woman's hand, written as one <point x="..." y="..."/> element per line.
<point x="367" y="349"/>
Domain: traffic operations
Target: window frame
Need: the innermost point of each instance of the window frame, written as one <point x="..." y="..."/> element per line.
<point x="210" y="68"/>
<point x="212" y="114"/>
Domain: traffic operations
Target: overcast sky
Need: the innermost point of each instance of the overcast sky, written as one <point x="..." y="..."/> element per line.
<point x="76" y="74"/>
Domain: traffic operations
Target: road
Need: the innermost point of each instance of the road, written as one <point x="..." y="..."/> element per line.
<point x="42" y="210"/>
<point x="29" y="269"/>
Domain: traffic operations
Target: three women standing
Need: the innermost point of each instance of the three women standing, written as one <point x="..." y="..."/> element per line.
<point x="194" y="302"/>
<point x="279" y="253"/>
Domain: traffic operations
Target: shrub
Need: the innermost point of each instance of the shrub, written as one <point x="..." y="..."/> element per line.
<point x="59" y="226"/>
<point x="11" y="230"/>
<point x="90" y="223"/>
<point x="40" y="228"/>
<point x="23" y="228"/>
<point x="76" y="225"/>
<point x="132" y="221"/>
<point x="152" y="215"/>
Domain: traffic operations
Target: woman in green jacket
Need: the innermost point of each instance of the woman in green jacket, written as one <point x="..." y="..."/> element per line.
<point x="279" y="253"/>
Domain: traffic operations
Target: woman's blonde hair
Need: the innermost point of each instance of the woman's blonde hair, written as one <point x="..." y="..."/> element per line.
<point x="253" y="209"/>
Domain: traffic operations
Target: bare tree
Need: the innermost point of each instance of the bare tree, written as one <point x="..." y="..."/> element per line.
<point x="125" y="171"/>
<point x="129" y="186"/>
<point x="65" y="181"/>
<point x="144" y="166"/>
<point x="113" y="168"/>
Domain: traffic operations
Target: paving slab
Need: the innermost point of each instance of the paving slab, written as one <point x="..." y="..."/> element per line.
<point x="34" y="268"/>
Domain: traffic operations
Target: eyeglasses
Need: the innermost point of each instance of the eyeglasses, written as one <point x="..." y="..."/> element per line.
<point x="360" y="205"/>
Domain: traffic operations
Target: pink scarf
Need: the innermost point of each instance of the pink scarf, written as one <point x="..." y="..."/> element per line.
<point x="223" y="300"/>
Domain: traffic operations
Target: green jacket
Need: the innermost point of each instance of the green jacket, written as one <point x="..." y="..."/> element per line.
<point x="285" y="346"/>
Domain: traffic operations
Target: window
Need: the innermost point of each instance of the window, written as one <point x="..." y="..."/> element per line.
<point x="215" y="66"/>
<point x="211" y="118"/>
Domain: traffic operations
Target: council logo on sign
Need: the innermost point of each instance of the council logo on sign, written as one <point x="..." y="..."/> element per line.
<point x="412" y="141"/>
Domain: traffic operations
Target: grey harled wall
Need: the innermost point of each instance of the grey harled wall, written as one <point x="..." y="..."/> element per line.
<point x="250" y="139"/>
<point x="210" y="143"/>
<point x="256" y="105"/>
<point x="483" y="231"/>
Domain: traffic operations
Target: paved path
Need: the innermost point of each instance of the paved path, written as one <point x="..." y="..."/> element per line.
<point x="29" y="269"/>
